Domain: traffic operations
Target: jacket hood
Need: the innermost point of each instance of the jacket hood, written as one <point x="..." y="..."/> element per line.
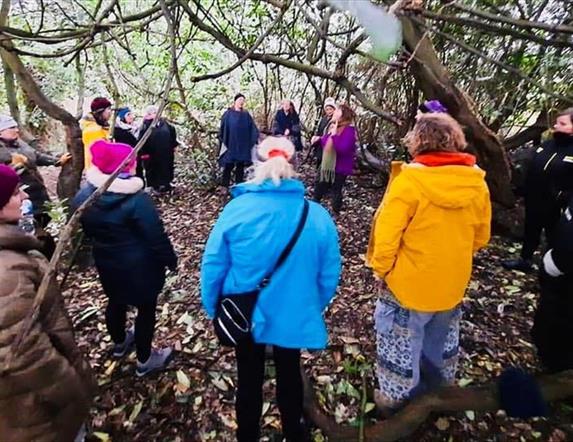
<point x="13" y="238"/>
<point x="119" y="190"/>
<point x="88" y="121"/>
<point x="450" y="187"/>
<point x="285" y="186"/>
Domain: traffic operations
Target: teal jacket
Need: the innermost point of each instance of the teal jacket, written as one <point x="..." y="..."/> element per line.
<point x="244" y="244"/>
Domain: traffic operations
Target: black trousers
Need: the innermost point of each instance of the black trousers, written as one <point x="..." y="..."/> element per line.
<point x="553" y="323"/>
<point x="116" y="317"/>
<point x="322" y="188"/>
<point x="538" y="218"/>
<point x="239" y="173"/>
<point x="249" y="404"/>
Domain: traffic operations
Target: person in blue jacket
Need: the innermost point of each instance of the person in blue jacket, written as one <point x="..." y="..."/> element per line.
<point x="131" y="252"/>
<point x="246" y="241"/>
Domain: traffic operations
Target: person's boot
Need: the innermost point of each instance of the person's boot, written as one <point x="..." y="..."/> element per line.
<point x="520" y="264"/>
<point x="158" y="360"/>
<point x="120" y="350"/>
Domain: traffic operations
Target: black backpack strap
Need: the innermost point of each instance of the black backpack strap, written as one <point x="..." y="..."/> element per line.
<point x="286" y="252"/>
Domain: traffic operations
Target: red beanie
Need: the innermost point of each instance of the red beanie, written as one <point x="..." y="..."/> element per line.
<point x="107" y="156"/>
<point x="99" y="104"/>
<point x="9" y="180"/>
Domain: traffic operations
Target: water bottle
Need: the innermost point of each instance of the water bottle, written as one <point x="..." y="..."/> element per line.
<point x="26" y="223"/>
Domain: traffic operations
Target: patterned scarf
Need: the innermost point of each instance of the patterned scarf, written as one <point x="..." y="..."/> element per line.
<point x="328" y="164"/>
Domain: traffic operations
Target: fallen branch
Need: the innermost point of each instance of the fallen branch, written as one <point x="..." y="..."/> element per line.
<point x="446" y="400"/>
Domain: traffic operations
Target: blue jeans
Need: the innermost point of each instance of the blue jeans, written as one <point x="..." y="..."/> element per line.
<point x="416" y="351"/>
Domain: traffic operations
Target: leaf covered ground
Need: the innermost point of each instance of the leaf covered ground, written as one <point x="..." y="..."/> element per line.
<point x="193" y="399"/>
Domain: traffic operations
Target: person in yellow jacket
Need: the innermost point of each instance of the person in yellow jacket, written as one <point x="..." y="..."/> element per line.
<point x="95" y="126"/>
<point x="435" y="215"/>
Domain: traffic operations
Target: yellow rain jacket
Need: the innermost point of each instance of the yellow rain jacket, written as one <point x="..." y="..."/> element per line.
<point x="91" y="131"/>
<point x="430" y="222"/>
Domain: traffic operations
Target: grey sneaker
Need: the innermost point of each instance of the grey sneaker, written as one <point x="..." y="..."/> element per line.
<point x="158" y="360"/>
<point x="120" y="350"/>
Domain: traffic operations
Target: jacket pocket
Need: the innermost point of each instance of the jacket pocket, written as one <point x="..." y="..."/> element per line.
<point x="384" y="316"/>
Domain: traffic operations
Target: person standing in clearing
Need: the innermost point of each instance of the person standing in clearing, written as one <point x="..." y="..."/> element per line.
<point x="131" y="252"/>
<point x="322" y="129"/>
<point x="243" y="246"/>
<point x="47" y="386"/>
<point x="441" y="195"/>
<point x="95" y="126"/>
<point x="548" y="186"/>
<point x="125" y="131"/>
<point x="339" y="150"/>
<point x="158" y="152"/>
<point x="238" y="135"/>
<point x="287" y="123"/>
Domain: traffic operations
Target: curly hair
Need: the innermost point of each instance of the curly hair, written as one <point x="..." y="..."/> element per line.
<point x="435" y="133"/>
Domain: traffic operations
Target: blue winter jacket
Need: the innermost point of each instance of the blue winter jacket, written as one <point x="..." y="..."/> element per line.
<point x="246" y="241"/>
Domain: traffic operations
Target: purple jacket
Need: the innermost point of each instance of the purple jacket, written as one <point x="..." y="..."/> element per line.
<point x="345" y="146"/>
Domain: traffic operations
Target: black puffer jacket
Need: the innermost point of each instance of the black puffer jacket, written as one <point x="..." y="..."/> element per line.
<point x="131" y="248"/>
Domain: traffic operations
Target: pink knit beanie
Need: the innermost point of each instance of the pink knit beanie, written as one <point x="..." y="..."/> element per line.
<point x="107" y="156"/>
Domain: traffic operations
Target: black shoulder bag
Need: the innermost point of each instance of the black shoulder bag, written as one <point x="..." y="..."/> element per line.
<point x="234" y="313"/>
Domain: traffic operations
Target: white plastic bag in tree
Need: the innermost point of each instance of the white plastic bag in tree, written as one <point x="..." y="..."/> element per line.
<point x="383" y="28"/>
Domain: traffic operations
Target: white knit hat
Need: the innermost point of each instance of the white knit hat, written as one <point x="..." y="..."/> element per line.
<point x="7" y="122"/>
<point x="150" y="112"/>
<point x="330" y="102"/>
<point x="272" y="146"/>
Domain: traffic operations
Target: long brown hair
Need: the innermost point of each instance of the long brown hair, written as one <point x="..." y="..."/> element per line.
<point x="347" y="117"/>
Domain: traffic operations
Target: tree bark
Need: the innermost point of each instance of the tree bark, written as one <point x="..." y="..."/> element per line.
<point x="435" y="82"/>
<point x="70" y="175"/>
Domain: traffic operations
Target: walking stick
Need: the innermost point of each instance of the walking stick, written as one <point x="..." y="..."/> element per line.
<point x="72" y="260"/>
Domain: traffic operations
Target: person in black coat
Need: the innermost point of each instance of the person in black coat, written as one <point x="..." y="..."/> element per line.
<point x="287" y="123"/>
<point x="158" y="152"/>
<point x="131" y="252"/>
<point x="548" y="183"/>
<point x="553" y="323"/>
<point x="124" y="130"/>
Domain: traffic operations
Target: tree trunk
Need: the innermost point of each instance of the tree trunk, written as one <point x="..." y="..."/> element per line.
<point x="436" y="83"/>
<point x="70" y="175"/>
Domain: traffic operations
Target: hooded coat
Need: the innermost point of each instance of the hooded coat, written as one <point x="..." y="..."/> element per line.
<point x="247" y="239"/>
<point x="46" y="391"/>
<point x="130" y="246"/>
<point x="431" y="221"/>
<point x="91" y="132"/>
<point x="29" y="173"/>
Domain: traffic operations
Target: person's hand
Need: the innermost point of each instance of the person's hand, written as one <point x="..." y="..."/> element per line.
<point x="19" y="160"/>
<point x="287" y="132"/>
<point x="314" y="139"/>
<point x="65" y="158"/>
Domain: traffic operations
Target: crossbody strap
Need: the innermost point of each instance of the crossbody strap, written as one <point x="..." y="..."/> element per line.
<point x="286" y="252"/>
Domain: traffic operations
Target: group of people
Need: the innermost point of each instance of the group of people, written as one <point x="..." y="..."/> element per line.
<point x="421" y="279"/>
<point x="334" y="144"/>
<point x="155" y="160"/>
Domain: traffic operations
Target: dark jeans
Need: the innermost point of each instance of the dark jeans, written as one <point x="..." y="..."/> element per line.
<point x="249" y="405"/>
<point x="115" y="318"/>
<point x="321" y="188"/>
<point x="538" y="219"/>
<point x="239" y="173"/>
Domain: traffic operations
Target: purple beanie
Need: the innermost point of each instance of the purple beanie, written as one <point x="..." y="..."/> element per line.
<point x="9" y="180"/>
<point x="107" y="156"/>
<point x="433" y="107"/>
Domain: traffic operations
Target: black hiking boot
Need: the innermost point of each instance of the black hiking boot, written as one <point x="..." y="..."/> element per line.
<point x="519" y="264"/>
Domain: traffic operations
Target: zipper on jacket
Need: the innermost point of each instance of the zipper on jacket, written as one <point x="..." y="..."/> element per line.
<point x="549" y="161"/>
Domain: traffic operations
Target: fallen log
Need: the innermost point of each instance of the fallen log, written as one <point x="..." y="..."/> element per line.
<point x="445" y="400"/>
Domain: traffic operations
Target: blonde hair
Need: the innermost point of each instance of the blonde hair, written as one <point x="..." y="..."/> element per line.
<point x="437" y="132"/>
<point x="275" y="168"/>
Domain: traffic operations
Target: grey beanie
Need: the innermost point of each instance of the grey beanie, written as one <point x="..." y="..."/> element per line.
<point x="7" y="122"/>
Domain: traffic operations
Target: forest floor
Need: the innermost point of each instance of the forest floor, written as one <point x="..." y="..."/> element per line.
<point x="193" y="399"/>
